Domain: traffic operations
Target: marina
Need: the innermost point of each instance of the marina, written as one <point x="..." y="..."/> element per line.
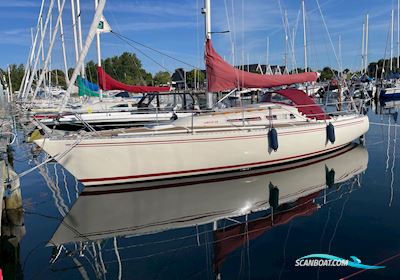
<point x="223" y="168"/>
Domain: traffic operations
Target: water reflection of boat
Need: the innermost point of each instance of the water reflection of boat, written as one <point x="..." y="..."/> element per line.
<point x="144" y="208"/>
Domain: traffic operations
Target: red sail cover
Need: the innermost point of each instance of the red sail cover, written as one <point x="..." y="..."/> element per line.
<point x="108" y="83"/>
<point x="223" y="76"/>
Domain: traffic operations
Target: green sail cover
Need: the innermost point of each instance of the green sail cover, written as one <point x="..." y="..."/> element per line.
<point x="86" y="88"/>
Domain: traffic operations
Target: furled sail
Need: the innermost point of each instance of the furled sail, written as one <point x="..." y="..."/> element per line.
<point x="223" y="76"/>
<point x="106" y="82"/>
<point x="87" y="88"/>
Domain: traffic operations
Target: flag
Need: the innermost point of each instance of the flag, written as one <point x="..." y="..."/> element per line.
<point x="103" y="26"/>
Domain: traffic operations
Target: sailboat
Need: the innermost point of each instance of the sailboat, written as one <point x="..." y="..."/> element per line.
<point x="265" y="134"/>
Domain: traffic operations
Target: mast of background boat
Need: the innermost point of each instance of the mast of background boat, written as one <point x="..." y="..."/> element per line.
<point x="304" y="40"/>
<point x="78" y="14"/>
<point x="74" y="30"/>
<point x="340" y="53"/>
<point x="362" y="48"/>
<point x="10" y="91"/>
<point x="398" y="33"/>
<point x="63" y="46"/>
<point x="304" y="36"/>
<point x="96" y="3"/>
<point x="49" y="69"/>
<point x="42" y="35"/>
<point x="267" y="60"/>
<point x="49" y="51"/>
<point x="27" y="72"/>
<point x="207" y="14"/>
<point x="391" y="40"/>
<point x="366" y="43"/>
<point x="286" y="26"/>
<point x="35" y="64"/>
<point x="89" y="38"/>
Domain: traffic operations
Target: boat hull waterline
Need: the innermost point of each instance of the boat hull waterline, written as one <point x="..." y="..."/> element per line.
<point x="101" y="161"/>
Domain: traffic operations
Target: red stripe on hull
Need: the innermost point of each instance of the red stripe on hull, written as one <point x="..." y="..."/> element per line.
<point x="215" y="169"/>
<point x="93" y="190"/>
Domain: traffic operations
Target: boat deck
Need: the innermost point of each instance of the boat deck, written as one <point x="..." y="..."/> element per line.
<point x="169" y="129"/>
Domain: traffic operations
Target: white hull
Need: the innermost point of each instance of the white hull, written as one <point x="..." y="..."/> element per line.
<point x="104" y="212"/>
<point x="133" y="158"/>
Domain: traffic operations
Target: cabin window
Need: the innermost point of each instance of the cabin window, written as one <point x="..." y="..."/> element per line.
<point x="292" y="116"/>
<point x="273" y="117"/>
<point x="245" y="119"/>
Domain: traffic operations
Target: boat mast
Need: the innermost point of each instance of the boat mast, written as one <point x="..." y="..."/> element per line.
<point x="286" y="41"/>
<point x="398" y="33"/>
<point x="10" y="84"/>
<point x="78" y="14"/>
<point x="63" y="45"/>
<point x="366" y="43"/>
<point x="267" y="52"/>
<point x="362" y="48"/>
<point x="391" y="41"/>
<point x="96" y="4"/>
<point x="49" y="68"/>
<point x="304" y="36"/>
<point x="340" y="55"/>
<point x="89" y="38"/>
<point x="207" y="14"/>
<point x="35" y="64"/>
<point x="74" y="30"/>
<point x="31" y="54"/>
<point x="49" y="51"/>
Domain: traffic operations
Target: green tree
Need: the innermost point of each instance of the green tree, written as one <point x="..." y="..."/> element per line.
<point x="328" y="74"/>
<point x="162" y="78"/>
<point x="126" y="68"/>
<point x="200" y="77"/>
<point x="16" y="73"/>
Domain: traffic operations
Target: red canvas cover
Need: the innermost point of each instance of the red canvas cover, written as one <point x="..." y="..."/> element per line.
<point x="302" y="102"/>
<point x="223" y="76"/>
<point x="106" y="82"/>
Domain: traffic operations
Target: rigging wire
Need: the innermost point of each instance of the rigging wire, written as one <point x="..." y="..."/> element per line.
<point x="129" y="41"/>
<point x="329" y="35"/>
<point x="121" y="37"/>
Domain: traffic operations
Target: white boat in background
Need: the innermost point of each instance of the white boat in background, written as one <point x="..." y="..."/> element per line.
<point x="152" y="108"/>
<point x="136" y="209"/>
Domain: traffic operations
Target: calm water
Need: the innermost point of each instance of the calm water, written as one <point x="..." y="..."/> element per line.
<point x="344" y="204"/>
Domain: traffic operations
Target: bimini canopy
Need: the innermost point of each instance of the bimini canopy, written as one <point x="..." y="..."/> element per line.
<point x="106" y="82"/>
<point x="301" y="101"/>
<point x="229" y="239"/>
<point x="222" y="76"/>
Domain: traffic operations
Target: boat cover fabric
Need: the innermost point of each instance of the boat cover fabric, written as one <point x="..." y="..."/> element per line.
<point x="87" y="88"/>
<point x="302" y="102"/>
<point x="106" y="82"/>
<point x="229" y="239"/>
<point x="222" y="76"/>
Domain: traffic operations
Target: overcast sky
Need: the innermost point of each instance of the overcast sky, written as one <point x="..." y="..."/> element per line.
<point x="176" y="27"/>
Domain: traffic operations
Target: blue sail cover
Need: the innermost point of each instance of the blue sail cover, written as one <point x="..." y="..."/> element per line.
<point x="87" y="88"/>
<point x="90" y="85"/>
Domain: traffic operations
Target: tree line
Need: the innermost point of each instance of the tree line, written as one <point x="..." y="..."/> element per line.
<point x="126" y="68"/>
